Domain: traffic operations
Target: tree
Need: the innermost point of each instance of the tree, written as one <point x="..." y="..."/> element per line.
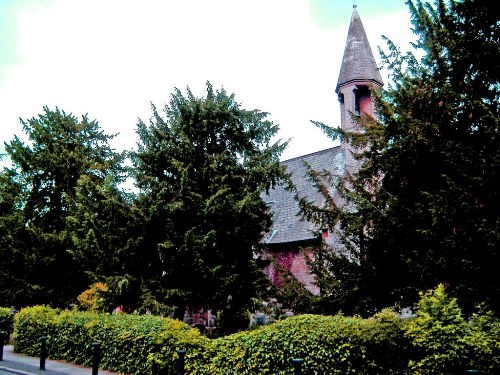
<point x="41" y="192"/>
<point x="105" y="229"/>
<point x="423" y="208"/>
<point x="15" y="264"/>
<point x="201" y="171"/>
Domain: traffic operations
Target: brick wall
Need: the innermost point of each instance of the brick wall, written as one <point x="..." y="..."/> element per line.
<point x="292" y="259"/>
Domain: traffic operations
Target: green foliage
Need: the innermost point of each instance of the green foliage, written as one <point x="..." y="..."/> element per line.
<point x="103" y="228"/>
<point x="438" y="340"/>
<point x="53" y="178"/>
<point x="130" y="344"/>
<point x="16" y="264"/>
<point x="485" y="332"/>
<point x="201" y="171"/>
<point x="439" y="332"/>
<point x="423" y="208"/>
<point x="6" y="319"/>
<point x="30" y="324"/>
<point x="445" y="342"/>
<point x="328" y="345"/>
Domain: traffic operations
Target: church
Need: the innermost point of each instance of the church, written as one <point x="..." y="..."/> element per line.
<point x="292" y="239"/>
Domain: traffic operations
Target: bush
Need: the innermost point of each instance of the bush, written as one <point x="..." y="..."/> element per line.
<point x="96" y="298"/>
<point x="437" y="341"/>
<point x="445" y="343"/>
<point x="328" y="345"/>
<point x="130" y="344"/>
<point x="29" y="325"/>
<point x="485" y="329"/>
<point x="6" y="319"/>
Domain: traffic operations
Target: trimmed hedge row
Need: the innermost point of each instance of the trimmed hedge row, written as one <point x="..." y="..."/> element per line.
<point x="130" y="344"/>
<point x="437" y="340"/>
<point x="147" y="345"/>
<point x="328" y="345"/>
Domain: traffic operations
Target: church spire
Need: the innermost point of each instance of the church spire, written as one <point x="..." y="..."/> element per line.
<point x="358" y="64"/>
<point x="358" y="77"/>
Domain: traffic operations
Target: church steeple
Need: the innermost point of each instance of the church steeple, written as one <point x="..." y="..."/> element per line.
<point x="359" y="75"/>
<point x="358" y="64"/>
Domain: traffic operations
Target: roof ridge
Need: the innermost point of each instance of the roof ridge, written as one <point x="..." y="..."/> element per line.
<point x="311" y="154"/>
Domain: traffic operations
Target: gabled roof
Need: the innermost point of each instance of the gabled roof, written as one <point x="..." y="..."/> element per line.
<point x="358" y="63"/>
<point x="287" y="224"/>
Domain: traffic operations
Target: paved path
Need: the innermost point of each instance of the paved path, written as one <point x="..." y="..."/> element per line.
<point x="22" y="365"/>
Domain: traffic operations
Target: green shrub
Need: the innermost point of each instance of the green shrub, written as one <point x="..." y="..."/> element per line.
<point x="485" y="332"/>
<point x="6" y="319"/>
<point x="328" y="345"/>
<point x="29" y="325"/>
<point x="445" y="343"/>
<point x="130" y="344"/>
<point x="437" y="341"/>
<point x="387" y="348"/>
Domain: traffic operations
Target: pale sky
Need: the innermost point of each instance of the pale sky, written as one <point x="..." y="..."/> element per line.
<point x="111" y="58"/>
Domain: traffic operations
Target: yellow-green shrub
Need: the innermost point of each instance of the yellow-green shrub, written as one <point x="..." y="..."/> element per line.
<point x="444" y="342"/>
<point x="328" y="345"/>
<point x="29" y="325"/>
<point x="130" y="344"/>
<point x="437" y="340"/>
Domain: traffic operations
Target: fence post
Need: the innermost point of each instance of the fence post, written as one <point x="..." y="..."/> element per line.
<point x="97" y="356"/>
<point x="43" y="351"/>
<point x="2" y="343"/>
<point x="181" y="362"/>
<point x="297" y="365"/>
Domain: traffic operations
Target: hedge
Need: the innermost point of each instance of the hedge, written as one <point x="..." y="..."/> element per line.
<point x="144" y="344"/>
<point x="438" y="340"/>
<point x="130" y="344"/>
<point x="328" y="345"/>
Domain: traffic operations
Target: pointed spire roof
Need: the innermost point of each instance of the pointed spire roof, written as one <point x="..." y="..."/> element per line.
<point x="358" y="63"/>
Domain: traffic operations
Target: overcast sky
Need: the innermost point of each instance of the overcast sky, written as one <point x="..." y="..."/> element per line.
<point x="111" y="58"/>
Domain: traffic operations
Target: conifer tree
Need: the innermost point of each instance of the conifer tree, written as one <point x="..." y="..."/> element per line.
<point x="424" y="207"/>
<point x="201" y="171"/>
<point x="40" y="192"/>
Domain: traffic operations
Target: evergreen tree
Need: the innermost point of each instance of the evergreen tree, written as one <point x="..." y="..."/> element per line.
<point x="15" y="262"/>
<point x="105" y="230"/>
<point x="201" y="171"/>
<point x="41" y="191"/>
<point x="423" y="208"/>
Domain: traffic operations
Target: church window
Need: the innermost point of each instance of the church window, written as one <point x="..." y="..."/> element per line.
<point x="357" y="111"/>
<point x="362" y="100"/>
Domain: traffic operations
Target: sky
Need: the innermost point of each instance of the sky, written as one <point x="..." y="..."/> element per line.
<point x="110" y="59"/>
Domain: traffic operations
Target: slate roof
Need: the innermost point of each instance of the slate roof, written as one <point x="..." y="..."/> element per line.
<point x="358" y="63"/>
<point x="287" y="224"/>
